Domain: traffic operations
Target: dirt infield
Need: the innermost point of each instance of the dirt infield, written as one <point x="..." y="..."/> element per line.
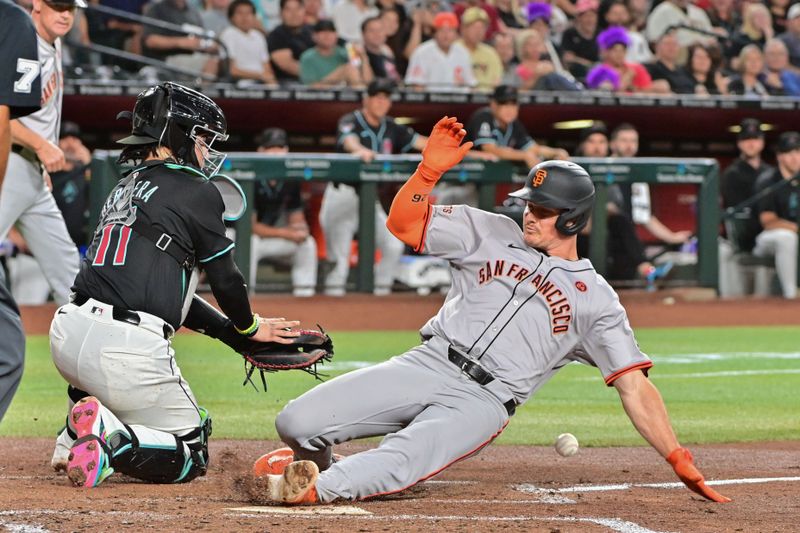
<point x="505" y="488"/>
<point x="408" y="311"/>
<point x="480" y="494"/>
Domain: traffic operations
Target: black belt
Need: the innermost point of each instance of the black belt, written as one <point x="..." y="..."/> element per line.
<point x="25" y="153"/>
<point x="122" y="315"/>
<point x="475" y="371"/>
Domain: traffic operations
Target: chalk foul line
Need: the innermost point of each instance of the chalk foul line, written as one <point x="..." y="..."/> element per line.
<point x="533" y="489"/>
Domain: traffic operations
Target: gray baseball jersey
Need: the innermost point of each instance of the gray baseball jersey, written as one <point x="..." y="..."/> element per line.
<point x="47" y="121"/>
<point x="520" y="313"/>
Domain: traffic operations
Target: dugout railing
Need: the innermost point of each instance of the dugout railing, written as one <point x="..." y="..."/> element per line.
<point x="247" y="167"/>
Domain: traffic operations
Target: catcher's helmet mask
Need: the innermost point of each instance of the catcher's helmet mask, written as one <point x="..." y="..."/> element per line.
<point x="563" y="186"/>
<point x="180" y="119"/>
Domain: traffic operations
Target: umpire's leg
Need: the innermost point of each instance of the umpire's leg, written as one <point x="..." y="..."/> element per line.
<point x="12" y="347"/>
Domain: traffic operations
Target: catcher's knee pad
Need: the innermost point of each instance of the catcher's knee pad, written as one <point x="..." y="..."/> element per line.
<point x="163" y="462"/>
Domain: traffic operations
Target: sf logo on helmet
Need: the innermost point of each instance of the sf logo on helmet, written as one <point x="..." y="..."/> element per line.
<point x="539" y="176"/>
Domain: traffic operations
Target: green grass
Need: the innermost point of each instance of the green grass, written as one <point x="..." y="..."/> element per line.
<point x="712" y="408"/>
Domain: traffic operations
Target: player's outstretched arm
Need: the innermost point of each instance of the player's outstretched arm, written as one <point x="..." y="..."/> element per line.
<point x="645" y="408"/>
<point x="409" y="212"/>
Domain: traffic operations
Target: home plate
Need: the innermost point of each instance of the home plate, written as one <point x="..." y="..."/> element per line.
<point x="309" y="510"/>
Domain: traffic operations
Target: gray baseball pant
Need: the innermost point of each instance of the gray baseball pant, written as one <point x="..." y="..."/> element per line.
<point x="431" y="414"/>
<point x="12" y="347"/>
<point x="25" y="200"/>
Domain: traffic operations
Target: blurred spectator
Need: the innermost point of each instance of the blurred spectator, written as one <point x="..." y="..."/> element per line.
<point x="603" y="78"/>
<point x="533" y="73"/>
<point x="397" y="38"/>
<point x="544" y="18"/>
<point x="723" y="16"/>
<point x="593" y="141"/>
<point x="549" y="20"/>
<point x="71" y="185"/>
<point x="118" y="33"/>
<point x="510" y="14"/>
<point x="667" y="76"/>
<point x="778" y="10"/>
<point x="625" y="257"/>
<point x="616" y="14"/>
<point x="638" y="10"/>
<point x="177" y="49"/>
<point x="216" y="16"/>
<point x="779" y="74"/>
<point x="398" y="6"/>
<point x="703" y="66"/>
<point x="314" y="12"/>
<point x="751" y="80"/>
<point x="756" y="29"/>
<point x="486" y="64"/>
<point x="280" y="230"/>
<point x="737" y="185"/>
<point x="268" y="13"/>
<point x="494" y="23"/>
<point x="503" y="44"/>
<point x="579" y="44"/>
<point x="539" y="15"/>
<point x="328" y="64"/>
<point x="634" y="198"/>
<point x="496" y="129"/>
<point x="366" y="132"/>
<point x="381" y="57"/>
<point x="778" y="212"/>
<point x="289" y="40"/>
<point x="79" y="33"/>
<point x="791" y="37"/>
<point x="441" y="62"/>
<point x="613" y="43"/>
<point x="677" y="13"/>
<point x="348" y="15"/>
<point x="247" y="47"/>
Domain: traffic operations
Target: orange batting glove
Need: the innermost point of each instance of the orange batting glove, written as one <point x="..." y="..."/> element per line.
<point x="683" y="463"/>
<point x="444" y="149"/>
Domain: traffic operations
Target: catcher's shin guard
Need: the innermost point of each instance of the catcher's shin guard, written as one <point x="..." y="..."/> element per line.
<point x="161" y="457"/>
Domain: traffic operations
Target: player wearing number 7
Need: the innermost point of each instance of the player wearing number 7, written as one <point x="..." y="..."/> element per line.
<point x="25" y="198"/>
<point x="522" y="305"/>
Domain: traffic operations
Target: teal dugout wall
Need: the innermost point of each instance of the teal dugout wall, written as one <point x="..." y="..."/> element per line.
<point x="248" y="167"/>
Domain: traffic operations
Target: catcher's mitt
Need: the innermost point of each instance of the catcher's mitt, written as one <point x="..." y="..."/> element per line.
<point x="305" y="352"/>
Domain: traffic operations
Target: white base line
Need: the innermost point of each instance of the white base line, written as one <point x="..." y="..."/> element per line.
<point x="615" y="524"/>
<point x="22" y="528"/>
<point x="527" y="487"/>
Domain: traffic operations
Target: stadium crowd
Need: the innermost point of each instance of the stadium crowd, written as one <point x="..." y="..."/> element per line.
<point x="674" y="47"/>
<point x="736" y="47"/>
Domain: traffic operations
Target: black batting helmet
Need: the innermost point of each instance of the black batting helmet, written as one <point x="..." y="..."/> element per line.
<point x="561" y="185"/>
<point x="178" y="117"/>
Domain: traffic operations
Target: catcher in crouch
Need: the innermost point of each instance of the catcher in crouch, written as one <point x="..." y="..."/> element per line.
<point x="132" y="411"/>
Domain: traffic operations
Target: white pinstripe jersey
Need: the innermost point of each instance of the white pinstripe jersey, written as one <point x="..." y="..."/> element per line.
<point x="47" y="121"/>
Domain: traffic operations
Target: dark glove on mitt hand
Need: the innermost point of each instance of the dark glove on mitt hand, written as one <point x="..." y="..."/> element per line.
<point x="304" y="352"/>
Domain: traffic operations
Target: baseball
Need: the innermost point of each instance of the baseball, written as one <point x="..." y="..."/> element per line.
<point x="566" y="444"/>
